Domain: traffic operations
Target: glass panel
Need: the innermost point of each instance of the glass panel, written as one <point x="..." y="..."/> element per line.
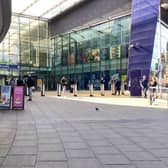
<point x="23" y="44"/>
<point x="65" y="49"/>
<point x="159" y="65"/>
<point x="58" y="51"/>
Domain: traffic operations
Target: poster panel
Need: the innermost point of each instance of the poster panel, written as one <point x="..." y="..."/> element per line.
<point x="39" y="83"/>
<point x="5" y="96"/>
<point x="18" y="97"/>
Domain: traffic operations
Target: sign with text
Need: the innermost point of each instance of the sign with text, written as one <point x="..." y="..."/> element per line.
<point x="5" y="96"/>
<point x="18" y="97"/>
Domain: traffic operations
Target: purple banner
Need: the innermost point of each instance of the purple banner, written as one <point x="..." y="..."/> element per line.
<point x="143" y="28"/>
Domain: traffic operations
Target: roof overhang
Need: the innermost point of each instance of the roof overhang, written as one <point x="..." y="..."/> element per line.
<point x="45" y="9"/>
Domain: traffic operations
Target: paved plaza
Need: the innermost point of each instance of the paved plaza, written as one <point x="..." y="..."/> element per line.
<point x="64" y="133"/>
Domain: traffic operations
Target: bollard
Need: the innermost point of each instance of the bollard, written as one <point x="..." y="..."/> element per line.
<point x="75" y="89"/>
<point x="122" y="88"/>
<point x="58" y="89"/>
<point x="91" y="90"/>
<point x="43" y="90"/>
<point x="112" y="88"/>
<point x="102" y="89"/>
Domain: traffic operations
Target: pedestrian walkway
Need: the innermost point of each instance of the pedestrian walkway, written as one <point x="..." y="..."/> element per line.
<point x="61" y="133"/>
<point x="122" y="100"/>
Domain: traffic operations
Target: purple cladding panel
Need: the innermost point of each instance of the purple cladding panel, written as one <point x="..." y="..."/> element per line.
<point x="143" y="28"/>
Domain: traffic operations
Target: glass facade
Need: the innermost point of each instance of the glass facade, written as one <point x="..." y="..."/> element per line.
<point x="88" y="54"/>
<point x="85" y="55"/>
<point x="26" y="44"/>
<point x="159" y="66"/>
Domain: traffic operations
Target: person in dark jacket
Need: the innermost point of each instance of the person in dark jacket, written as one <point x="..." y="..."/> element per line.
<point x="20" y="82"/>
<point x="154" y="85"/>
<point x="29" y="85"/>
<point x="117" y="86"/>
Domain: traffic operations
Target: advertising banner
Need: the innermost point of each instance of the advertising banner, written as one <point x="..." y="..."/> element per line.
<point x="18" y="97"/>
<point x="5" y="96"/>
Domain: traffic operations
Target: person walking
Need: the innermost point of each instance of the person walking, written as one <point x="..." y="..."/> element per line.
<point x="154" y="84"/>
<point x="144" y="86"/>
<point x="30" y="85"/>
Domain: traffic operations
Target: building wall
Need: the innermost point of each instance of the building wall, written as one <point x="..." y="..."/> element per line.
<point x="88" y="12"/>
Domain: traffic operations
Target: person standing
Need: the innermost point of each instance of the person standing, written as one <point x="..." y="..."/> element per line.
<point x="118" y="86"/>
<point x="30" y="85"/>
<point x="145" y="86"/>
<point x="154" y="86"/>
<point x="63" y="83"/>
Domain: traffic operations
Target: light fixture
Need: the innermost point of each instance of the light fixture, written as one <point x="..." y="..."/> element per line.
<point x="136" y="46"/>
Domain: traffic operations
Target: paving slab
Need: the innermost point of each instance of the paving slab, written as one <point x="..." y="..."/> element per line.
<point x="81" y="153"/>
<point x="16" y="150"/>
<point x="51" y="165"/>
<point x="114" y="159"/>
<point x="84" y="163"/>
<point x="19" y="161"/>
<point x="51" y="156"/>
<point x="58" y="147"/>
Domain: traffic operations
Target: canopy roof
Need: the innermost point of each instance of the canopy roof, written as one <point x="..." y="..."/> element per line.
<point x="42" y="8"/>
